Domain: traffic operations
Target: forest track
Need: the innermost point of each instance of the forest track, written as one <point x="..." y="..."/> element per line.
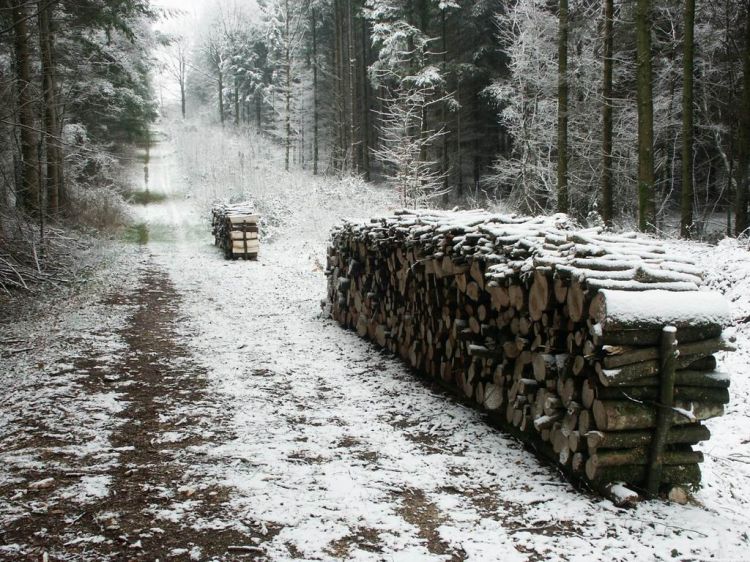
<point x="168" y="415"/>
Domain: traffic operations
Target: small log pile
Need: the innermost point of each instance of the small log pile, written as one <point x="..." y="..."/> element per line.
<point x="235" y="230"/>
<point x="559" y="334"/>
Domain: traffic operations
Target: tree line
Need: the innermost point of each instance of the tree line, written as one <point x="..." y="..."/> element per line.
<point x="75" y="85"/>
<point x="612" y="109"/>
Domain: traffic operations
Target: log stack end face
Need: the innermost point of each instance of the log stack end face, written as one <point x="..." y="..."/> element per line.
<point x="236" y="230"/>
<point x="557" y="332"/>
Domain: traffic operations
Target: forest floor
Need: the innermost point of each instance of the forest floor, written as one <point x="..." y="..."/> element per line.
<point x="184" y="407"/>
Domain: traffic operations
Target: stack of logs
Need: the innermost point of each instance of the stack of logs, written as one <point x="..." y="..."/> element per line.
<point x="558" y="333"/>
<point x="235" y="230"/>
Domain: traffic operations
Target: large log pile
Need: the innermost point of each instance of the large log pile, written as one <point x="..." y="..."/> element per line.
<point x="235" y="230"/>
<point x="559" y="334"/>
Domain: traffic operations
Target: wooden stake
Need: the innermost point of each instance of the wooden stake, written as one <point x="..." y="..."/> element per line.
<point x="664" y="415"/>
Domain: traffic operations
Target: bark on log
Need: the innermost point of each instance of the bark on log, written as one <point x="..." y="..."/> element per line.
<point x="632" y="374"/>
<point x="591" y="392"/>
<point x="689" y="475"/>
<point x="622" y="415"/>
<point x="618" y="356"/>
<point x="690" y="434"/>
<point x="639" y="456"/>
<point x="688" y="377"/>
<point x="650" y="337"/>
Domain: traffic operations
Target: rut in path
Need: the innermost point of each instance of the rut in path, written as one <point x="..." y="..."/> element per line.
<point x="154" y="496"/>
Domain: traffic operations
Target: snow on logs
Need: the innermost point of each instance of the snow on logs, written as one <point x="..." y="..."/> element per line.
<point x="235" y="230"/>
<point x="558" y="333"/>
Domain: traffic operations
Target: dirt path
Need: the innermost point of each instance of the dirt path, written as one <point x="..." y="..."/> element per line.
<point x="167" y="413"/>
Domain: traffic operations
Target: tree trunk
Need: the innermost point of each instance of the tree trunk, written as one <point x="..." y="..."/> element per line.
<point x="562" y="109"/>
<point x="182" y="97"/>
<point x="221" y="98"/>
<point x="444" y="164"/>
<point x="743" y="149"/>
<point x="607" y="204"/>
<point x="51" y="128"/>
<point x="646" y="204"/>
<point x="288" y="87"/>
<point x="365" y="104"/>
<point x="27" y="194"/>
<point x="236" y="103"/>
<point x="341" y="97"/>
<point x="316" y="115"/>
<point x="686" y="208"/>
<point x="258" y="111"/>
<point x="352" y="93"/>
<point x="459" y="152"/>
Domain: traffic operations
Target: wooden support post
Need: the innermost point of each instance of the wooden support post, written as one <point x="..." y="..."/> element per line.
<point x="668" y="360"/>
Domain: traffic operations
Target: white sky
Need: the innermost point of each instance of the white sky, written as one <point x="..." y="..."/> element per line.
<point x="189" y="25"/>
<point x="192" y="9"/>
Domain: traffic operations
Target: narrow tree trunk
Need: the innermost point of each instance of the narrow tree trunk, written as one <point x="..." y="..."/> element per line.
<point x="607" y="204"/>
<point x="221" y="98"/>
<point x="730" y="182"/>
<point x="236" y="103"/>
<point x="459" y="131"/>
<point x="27" y="193"/>
<point x="339" y="135"/>
<point x="743" y="145"/>
<point x="288" y="92"/>
<point x="181" y="70"/>
<point x="562" y="109"/>
<point x="444" y="164"/>
<point x="352" y="93"/>
<point x="646" y="204"/>
<point x="365" y="104"/>
<point x="53" y="149"/>
<point x="342" y="125"/>
<point x="686" y="219"/>
<point x="316" y="115"/>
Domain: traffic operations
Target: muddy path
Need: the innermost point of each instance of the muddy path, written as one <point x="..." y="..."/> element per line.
<point x="168" y="415"/>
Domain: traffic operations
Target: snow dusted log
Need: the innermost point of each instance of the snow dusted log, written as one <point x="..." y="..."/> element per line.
<point x="702" y="315"/>
<point x="554" y="332"/>
<point x="621" y="495"/>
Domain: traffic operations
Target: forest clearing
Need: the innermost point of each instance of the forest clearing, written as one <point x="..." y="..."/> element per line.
<point x="163" y="402"/>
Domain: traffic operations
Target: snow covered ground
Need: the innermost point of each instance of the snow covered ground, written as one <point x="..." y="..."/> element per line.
<point x="311" y="443"/>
